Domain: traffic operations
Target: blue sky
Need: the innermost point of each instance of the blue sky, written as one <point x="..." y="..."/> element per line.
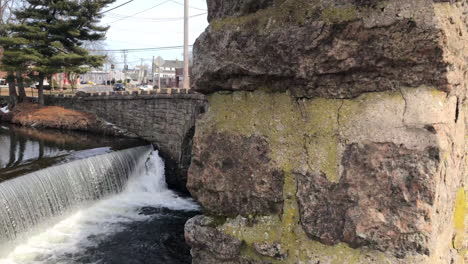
<point x="160" y="26"/>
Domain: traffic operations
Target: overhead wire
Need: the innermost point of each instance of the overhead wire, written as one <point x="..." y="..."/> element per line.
<point x="160" y="4"/>
<point x="156" y="20"/>
<point x="146" y="19"/>
<point x="120" y="17"/>
<point x="116" y="7"/>
<point x="139" y="49"/>
<point x="196" y="8"/>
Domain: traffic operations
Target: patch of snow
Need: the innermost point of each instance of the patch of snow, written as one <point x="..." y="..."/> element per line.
<point x="5" y="110"/>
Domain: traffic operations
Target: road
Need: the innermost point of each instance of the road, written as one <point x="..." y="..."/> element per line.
<point x="95" y="88"/>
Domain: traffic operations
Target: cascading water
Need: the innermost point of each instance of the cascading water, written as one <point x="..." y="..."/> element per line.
<point x="126" y="181"/>
<point x="27" y="200"/>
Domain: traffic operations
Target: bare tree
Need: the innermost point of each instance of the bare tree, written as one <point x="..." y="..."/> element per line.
<point x="99" y="48"/>
<point x="6" y="8"/>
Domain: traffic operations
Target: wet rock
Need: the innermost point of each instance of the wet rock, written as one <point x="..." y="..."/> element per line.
<point x="232" y="174"/>
<point x="200" y="233"/>
<point x="212" y="246"/>
<point x="382" y="201"/>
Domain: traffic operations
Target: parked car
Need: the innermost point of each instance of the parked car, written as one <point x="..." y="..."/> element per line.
<point x="119" y="87"/>
<point x="91" y="82"/>
<point x="145" y="87"/>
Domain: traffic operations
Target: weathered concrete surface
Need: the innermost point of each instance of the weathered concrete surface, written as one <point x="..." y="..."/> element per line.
<point x="359" y="105"/>
<point x="166" y="120"/>
<point x="244" y="182"/>
<point x="383" y="198"/>
<point x="334" y="49"/>
<point x="365" y="172"/>
<point x="201" y="231"/>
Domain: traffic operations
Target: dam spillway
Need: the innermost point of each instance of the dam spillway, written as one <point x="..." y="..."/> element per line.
<point x="94" y="205"/>
<point x="26" y="200"/>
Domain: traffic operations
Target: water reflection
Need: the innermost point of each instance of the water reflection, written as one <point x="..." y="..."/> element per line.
<point x="17" y="149"/>
<point x="23" y="150"/>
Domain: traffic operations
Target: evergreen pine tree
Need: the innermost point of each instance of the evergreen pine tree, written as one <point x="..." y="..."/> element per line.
<point x="55" y="30"/>
<point x="17" y="57"/>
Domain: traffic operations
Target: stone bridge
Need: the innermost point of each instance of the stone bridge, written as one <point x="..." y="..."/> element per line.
<point x="164" y="117"/>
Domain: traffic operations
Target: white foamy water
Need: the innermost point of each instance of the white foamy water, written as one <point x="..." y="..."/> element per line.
<point x="80" y="228"/>
<point x="5" y="110"/>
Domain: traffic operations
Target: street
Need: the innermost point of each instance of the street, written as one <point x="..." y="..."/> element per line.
<point x="95" y="88"/>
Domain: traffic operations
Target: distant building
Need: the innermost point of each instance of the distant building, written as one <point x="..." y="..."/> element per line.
<point x="96" y="76"/>
<point x="102" y="77"/>
<point x="139" y="74"/>
<point x="168" y="73"/>
<point x="168" y="68"/>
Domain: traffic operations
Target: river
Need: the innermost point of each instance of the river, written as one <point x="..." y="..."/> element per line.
<point x="70" y="198"/>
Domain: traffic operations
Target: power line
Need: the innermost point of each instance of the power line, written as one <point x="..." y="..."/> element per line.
<point x="141" y="49"/>
<point x="155" y="20"/>
<point x="189" y="6"/>
<point x="117" y="7"/>
<point x="140" y="12"/>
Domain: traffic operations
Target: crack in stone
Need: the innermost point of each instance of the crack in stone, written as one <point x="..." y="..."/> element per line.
<point x="338" y="118"/>
<point x="307" y="139"/>
<point x="406" y="106"/>
<point x="338" y="115"/>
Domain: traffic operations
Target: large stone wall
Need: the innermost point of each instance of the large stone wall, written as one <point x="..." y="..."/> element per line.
<point x="336" y="133"/>
<point x="166" y="120"/>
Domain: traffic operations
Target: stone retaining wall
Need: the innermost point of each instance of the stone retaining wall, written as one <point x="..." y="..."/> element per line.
<point x="165" y="119"/>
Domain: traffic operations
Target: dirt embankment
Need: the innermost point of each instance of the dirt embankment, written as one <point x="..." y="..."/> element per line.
<point x="33" y="115"/>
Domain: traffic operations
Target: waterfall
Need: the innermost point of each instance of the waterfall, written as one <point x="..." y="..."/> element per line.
<point x="80" y="228"/>
<point x="28" y="200"/>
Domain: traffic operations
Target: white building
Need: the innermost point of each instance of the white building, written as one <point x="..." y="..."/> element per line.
<point x="168" y="68"/>
<point x="101" y="77"/>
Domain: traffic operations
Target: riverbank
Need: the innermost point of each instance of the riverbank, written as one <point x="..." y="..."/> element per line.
<point x="33" y="115"/>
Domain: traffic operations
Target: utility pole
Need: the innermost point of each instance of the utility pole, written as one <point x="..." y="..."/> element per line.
<point x="106" y="74"/>
<point x="152" y="72"/>
<point x="186" y="42"/>
<point x="125" y="65"/>
<point x="159" y="73"/>
<point x="141" y="73"/>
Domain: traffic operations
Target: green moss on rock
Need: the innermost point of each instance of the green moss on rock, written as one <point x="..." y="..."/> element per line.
<point x="295" y="12"/>
<point x="301" y="134"/>
<point x="339" y="14"/>
<point x="304" y="136"/>
<point x="459" y="217"/>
